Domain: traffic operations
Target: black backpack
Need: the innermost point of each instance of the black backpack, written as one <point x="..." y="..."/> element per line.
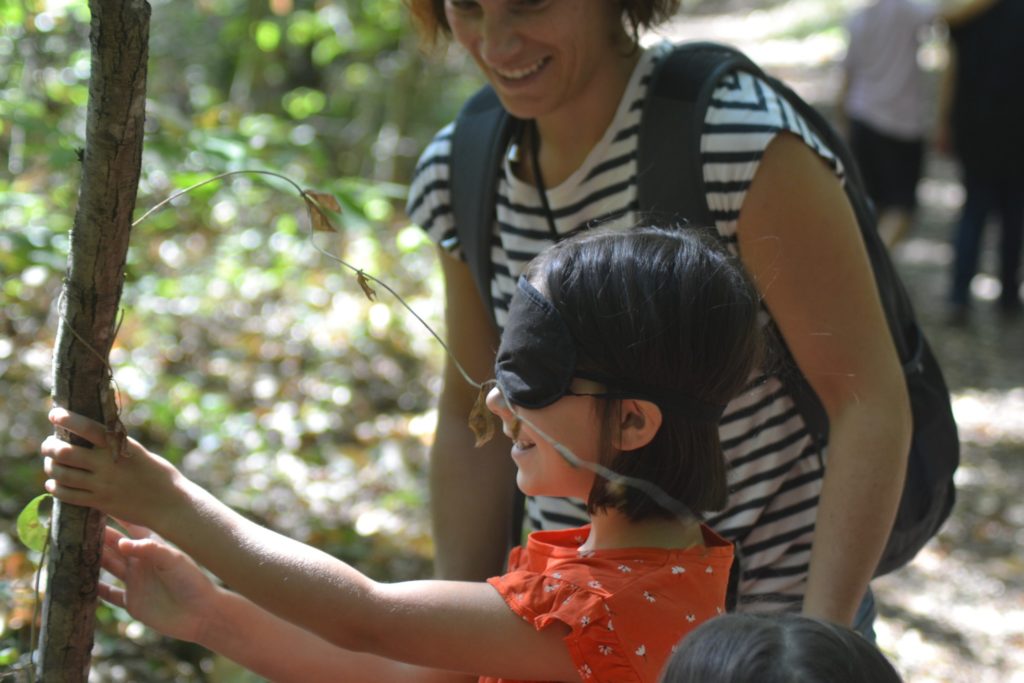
<point x="677" y="99"/>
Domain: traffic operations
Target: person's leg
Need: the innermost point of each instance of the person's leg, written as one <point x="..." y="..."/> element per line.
<point x="1011" y="207"/>
<point x="967" y="239"/>
<point x="905" y="168"/>
<point x="893" y="225"/>
<point x="864" y="147"/>
<point x="897" y="170"/>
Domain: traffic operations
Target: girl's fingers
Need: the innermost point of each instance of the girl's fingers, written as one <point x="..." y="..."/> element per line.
<point x="111" y="536"/>
<point x="90" y="430"/>
<point x="69" y="495"/>
<point x="70" y="455"/>
<point x="113" y="561"/>
<point x="135" y="531"/>
<point x="69" y="477"/>
<point x="159" y="555"/>
<point x="115" y="596"/>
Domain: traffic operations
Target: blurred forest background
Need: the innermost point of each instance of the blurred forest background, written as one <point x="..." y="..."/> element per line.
<point x="245" y="356"/>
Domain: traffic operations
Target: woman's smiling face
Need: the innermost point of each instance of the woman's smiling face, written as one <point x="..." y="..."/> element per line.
<point x="539" y="55"/>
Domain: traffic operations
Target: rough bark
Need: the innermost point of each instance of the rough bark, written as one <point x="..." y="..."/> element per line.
<point x="111" y="163"/>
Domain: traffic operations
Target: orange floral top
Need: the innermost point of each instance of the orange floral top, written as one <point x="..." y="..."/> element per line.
<point x="627" y="608"/>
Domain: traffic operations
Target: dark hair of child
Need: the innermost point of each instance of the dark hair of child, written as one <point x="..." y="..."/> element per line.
<point x="776" y="648"/>
<point x="666" y="309"/>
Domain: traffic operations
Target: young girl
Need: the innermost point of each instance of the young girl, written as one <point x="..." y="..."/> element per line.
<point x="619" y="354"/>
<point x="782" y="648"/>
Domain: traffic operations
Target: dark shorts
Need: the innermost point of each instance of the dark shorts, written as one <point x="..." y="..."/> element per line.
<point x="890" y="166"/>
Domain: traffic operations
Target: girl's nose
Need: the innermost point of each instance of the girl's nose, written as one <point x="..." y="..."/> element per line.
<point x="496" y="402"/>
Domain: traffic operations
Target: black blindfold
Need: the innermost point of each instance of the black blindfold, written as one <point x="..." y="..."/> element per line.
<point x="536" y="361"/>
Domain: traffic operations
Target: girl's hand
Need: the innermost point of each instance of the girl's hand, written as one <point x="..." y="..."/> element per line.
<point x="138" y="487"/>
<point x="163" y="587"/>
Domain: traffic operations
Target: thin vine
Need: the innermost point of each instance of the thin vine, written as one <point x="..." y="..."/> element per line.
<point x="481" y="421"/>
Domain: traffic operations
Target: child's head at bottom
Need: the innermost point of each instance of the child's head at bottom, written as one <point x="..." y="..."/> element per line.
<point x="776" y="648"/>
<point x="661" y="314"/>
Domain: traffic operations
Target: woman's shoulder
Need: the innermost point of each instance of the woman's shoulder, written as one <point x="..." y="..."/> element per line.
<point x="428" y="202"/>
<point x="746" y="112"/>
<point x="436" y="155"/>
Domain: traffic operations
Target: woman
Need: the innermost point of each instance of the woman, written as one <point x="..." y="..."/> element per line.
<point x="806" y="534"/>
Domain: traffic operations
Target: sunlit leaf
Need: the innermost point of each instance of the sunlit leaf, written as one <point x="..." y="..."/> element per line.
<point x="31" y="529"/>
<point x="8" y="656"/>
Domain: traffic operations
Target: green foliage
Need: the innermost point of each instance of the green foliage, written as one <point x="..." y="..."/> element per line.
<point x="32" y="530"/>
<point x="244" y="355"/>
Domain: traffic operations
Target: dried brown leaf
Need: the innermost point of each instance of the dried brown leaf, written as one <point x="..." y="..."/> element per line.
<point x="320" y="221"/>
<point x="482" y="421"/>
<point x="370" y="293"/>
<point x="325" y="200"/>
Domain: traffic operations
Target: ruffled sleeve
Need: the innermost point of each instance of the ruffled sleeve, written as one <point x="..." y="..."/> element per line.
<point x="593" y="642"/>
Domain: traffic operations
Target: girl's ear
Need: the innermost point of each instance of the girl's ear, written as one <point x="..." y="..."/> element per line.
<point x="639" y="422"/>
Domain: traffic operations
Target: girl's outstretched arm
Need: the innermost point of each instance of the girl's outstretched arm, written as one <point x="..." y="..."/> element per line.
<point x="166" y="590"/>
<point x="445" y="625"/>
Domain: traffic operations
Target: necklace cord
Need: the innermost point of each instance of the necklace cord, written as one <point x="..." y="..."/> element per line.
<point x="538" y="179"/>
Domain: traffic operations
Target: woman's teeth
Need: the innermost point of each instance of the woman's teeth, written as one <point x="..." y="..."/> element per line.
<point x="516" y="74"/>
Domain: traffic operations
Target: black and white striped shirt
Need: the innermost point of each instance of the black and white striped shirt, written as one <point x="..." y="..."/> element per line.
<point x="775" y="471"/>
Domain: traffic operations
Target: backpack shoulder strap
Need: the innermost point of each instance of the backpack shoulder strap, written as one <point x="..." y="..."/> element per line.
<point x="482" y="132"/>
<point x="668" y="147"/>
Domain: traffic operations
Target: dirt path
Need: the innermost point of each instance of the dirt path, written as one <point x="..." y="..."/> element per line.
<point x="956" y="614"/>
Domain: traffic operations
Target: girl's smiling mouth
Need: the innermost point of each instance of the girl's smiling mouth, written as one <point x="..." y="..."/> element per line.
<point x="512" y="431"/>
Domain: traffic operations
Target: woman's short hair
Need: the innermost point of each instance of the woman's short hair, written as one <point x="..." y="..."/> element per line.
<point x="776" y="648"/>
<point x="431" y="22"/>
<point x="668" y="309"/>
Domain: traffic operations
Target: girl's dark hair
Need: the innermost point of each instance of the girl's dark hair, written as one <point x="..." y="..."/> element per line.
<point x="776" y="648"/>
<point x="431" y="22"/>
<point x="669" y="310"/>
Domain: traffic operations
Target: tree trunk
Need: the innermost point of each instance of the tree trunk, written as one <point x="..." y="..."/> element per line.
<point x="111" y="165"/>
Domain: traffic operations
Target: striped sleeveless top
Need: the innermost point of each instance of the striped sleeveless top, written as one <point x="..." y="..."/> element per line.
<point x="775" y="471"/>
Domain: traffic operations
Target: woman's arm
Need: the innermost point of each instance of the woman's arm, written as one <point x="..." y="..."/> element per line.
<point x="447" y="625"/>
<point x="799" y="239"/>
<point x="471" y="489"/>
